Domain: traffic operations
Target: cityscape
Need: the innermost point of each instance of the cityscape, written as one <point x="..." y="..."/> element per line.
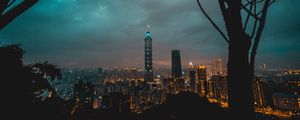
<point x="147" y="60"/>
<point x="138" y="89"/>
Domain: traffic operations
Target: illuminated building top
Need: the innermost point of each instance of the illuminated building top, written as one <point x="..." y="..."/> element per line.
<point x="148" y="56"/>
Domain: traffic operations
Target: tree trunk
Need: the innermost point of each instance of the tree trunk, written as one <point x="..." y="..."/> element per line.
<point x="240" y="69"/>
<point x="239" y="74"/>
<point x="240" y="79"/>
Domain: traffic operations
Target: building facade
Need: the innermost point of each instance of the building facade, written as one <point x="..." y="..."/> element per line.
<point x="148" y="76"/>
<point x="201" y="82"/>
<point x="176" y="64"/>
<point x="192" y="75"/>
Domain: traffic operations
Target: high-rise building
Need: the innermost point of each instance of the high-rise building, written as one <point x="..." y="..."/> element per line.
<point x="209" y="71"/>
<point x="201" y="80"/>
<point x="286" y="101"/>
<point x="201" y="72"/>
<point x="259" y="97"/>
<point x="176" y="64"/>
<point x="192" y="74"/>
<point x="262" y="93"/>
<point x="118" y="102"/>
<point x="148" y="76"/>
<point x="177" y="71"/>
<point x="133" y="73"/>
<point x="218" y="67"/>
<point x="217" y="87"/>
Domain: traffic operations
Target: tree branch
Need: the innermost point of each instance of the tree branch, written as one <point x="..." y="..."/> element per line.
<point x="10" y="15"/>
<point x="268" y="6"/>
<point x="251" y="2"/>
<point x="255" y="23"/>
<point x="10" y="3"/>
<point x="3" y="4"/>
<point x="248" y="16"/>
<point x="223" y="9"/>
<point x="212" y="22"/>
<point x="254" y="29"/>
<point x="259" y="33"/>
<point x="249" y="12"/>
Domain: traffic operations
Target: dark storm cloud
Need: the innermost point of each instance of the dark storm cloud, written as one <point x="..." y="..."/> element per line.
<point x="281" y="39"/>
<point x="89" y="33"/>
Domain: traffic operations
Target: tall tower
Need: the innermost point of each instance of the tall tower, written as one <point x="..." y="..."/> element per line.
<point x="148" y="76"/>
<point x="176" y="64"/>
<point x="192" y="74"/>
<point x="177" y="71"/>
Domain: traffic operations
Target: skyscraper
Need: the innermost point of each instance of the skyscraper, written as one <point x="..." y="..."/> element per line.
<point x="176" y="64"/>
<point x="201" y="72"/>
<point x="177" y="71"/>
<point x="201" y="80"/>
<point x="148" y="76"/>
<point x="217" y="87"/>
<point x="192" y="74"/>
<point x="218" y="67"/>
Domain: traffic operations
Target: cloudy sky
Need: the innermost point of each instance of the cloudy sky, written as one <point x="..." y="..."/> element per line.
<point x="90" y="33"/>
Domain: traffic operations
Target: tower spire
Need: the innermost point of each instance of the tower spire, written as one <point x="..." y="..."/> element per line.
<point x="148" y="76"/>
<point x="148" y="28"/>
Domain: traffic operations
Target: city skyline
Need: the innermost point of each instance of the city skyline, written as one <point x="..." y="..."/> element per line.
<point x="62" y="37"/>
<point x="150" y="60"/>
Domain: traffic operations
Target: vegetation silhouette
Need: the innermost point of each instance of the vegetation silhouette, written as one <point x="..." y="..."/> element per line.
<point x="183" y="106"/>
<point x="26" y="83"/>
<point x="186" y="106"/>
<point x="242" y="49"/>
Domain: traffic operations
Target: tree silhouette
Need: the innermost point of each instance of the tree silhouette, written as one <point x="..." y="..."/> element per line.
<point x="11" y="63"/>
<point x="9" y="12"/>
<point x="20" y="83"/>
<point x="185" y="106"/>
<point x="243" y="42"/>
<point x="42" y="74"/>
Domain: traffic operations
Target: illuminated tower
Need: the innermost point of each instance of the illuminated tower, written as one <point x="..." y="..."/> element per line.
<point x="148" y="76"/>
<point x="192" y="74"/>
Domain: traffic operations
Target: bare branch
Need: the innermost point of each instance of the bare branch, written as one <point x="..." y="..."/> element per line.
<point x="10" y="15"/>
<point x="259" y="33"/>
<point x="254" y="29"/>
<point x="212" y="22"/>
<point x="3" y="4"/>
<point x="268" y="6"/>
<point x="251" y="2"/>
<point x="223" y="8"/>
<point x="248" y="11"/>
<point x="10" y="3"/>
<point x="248" y="16"/>
<point x="255" y="23"/>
